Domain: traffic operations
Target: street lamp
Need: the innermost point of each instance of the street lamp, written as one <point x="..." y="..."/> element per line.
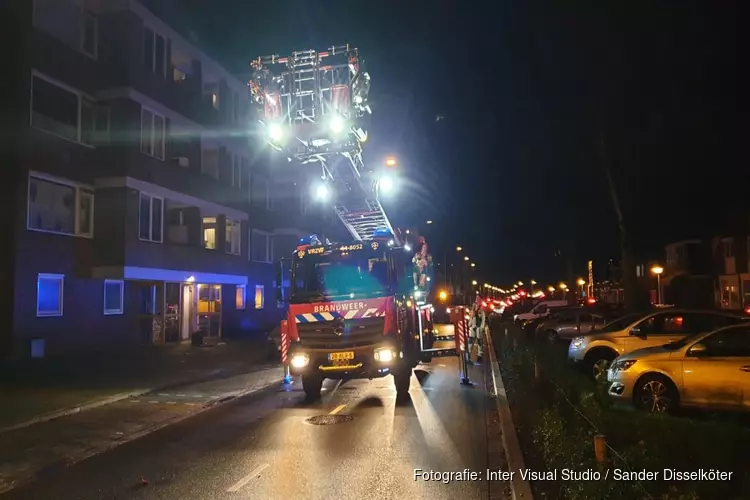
<point x="443" y="295"/>
<point x="458" y="249"/>
<point x="390" y="161"/>
<point x="551" y="289"/>
<point x="429" y="222"/>
<point x="466" y="258"/>
<point x="657" y="270"/>
<point x="473" y="265"/>
<point x="474" y="282"/>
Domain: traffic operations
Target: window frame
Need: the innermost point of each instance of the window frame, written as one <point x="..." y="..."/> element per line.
<point x="80" y="191"/>
<point x="151" y="197"/>
<point x="85" y="13"/>
<point x="152" y="131"/>
<point x="155" y="33"/>
<point x="113" y="312"/>
<point x="230" y="224"/>
<point x="81" y="97"/>
<point x="242" y="291"/>
<point x="262" y="289"/>
<point x="269" y="246"/>
<point x="61" y="288"/>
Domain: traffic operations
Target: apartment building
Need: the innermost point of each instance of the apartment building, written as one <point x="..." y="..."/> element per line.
<point x="145" y="211"/>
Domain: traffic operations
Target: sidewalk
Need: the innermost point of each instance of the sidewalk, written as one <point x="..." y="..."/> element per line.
<point x="39" y="390"/>
<point x="45" y="448"/>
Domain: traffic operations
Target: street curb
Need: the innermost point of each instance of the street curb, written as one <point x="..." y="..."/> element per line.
<point x="520" y="489"/>
<point x="213" y="375"/>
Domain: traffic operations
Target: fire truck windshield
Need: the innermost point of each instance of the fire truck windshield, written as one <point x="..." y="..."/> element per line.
<point x="338" y="275"/>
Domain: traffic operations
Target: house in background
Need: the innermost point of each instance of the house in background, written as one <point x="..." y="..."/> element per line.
<point x="731" y="261"/>
<point x="688" y="277"/>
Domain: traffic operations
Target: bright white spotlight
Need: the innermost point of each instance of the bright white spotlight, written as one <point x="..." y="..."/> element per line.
<point x="337" y="124"/>
<point x="407" y="247"/>
<point x="386" y="184"/>
<point x="321" y="192"/>
<point x="275" y="132"/>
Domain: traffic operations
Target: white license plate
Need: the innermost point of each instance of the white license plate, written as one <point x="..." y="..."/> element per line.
<point x="341" y="356"/>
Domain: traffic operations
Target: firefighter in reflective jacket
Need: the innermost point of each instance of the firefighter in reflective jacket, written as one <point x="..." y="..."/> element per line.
<point x="476" y="331"/>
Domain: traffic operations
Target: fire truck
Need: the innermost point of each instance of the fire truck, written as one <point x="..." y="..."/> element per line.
<point x="354" y="312"/>
<point x="357" y="309"/>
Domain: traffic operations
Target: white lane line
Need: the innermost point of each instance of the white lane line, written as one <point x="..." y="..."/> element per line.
<point x="337" y="409"/>
<point x="153" y="402"/>
<point x="171" y="402"/>
<point x="243" y="482"/>
<point x="162" y="394"/>
<point x="180" y="395"/>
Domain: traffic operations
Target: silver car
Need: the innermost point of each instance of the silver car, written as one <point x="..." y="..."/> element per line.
<point x="569" y="324"/>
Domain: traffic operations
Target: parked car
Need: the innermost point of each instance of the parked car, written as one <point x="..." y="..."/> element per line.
<point x="706" y="370"/>
<point x="541" y="309"/>
<point x="569" y="324"/>
<point x="635" y="331"/>
<point x="531" y="325"/>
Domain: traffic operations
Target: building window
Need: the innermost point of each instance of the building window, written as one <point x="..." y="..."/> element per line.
<point x="237" y="171"/>
<point x="233" y="236"/>
<point x="152" y="133"/>
<point x="240" y="297"/>
<point x="113" y="296"/>
<point x="259" y="297"/>
<point x="262" y="246"/>
<point x="209" y="233"/>
<point x="58" y="207"/>
<point x="151" y="218"/>
<point x="49" y="294"/>
<point x="65" y="112"/>
<point x="89" y="34"/>
<point x="155" y="52"/>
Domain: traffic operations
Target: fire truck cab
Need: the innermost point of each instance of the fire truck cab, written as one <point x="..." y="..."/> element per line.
<point x="354" y="312"/>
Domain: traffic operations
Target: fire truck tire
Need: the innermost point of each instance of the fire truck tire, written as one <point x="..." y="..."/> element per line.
<point x="402" y="381"/>
<point x="312" y="385"/>
<point x="426" y="358"/>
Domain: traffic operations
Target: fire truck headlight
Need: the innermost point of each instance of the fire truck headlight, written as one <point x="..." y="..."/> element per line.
<point x="385" y="355"/>
<point x="275" y="132"/>
<point x="386" y="184"/>
<point x="300" y="360"/>
<point x="337" y="124"/>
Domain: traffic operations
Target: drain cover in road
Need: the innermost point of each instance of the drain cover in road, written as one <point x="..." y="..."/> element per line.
<point x="329" y="419"/>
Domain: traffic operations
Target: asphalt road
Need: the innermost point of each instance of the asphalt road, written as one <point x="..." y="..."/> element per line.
<point x="264" y="447"/>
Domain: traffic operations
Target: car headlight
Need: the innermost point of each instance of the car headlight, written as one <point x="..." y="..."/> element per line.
<point x="623" y="365"/>
<point x="577" y="342"/>
<point x="515" y="317"/>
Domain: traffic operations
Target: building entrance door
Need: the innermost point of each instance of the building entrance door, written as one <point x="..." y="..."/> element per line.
<point x="149" y="313"/>
<point x="187" y="312"/>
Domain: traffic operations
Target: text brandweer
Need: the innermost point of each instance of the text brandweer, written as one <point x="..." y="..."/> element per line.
<point x="340" y="306"/>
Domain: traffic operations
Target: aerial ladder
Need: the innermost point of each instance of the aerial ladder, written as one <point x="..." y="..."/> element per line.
<point x="314" y="106"/>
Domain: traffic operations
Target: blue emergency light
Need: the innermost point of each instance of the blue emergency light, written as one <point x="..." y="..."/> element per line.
<point x="382" y="233"/>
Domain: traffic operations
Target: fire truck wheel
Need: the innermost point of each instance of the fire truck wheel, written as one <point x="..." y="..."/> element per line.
<point x="312" y="384"/>
<point x="426" y="358"/>
<point x="402" y="380"/>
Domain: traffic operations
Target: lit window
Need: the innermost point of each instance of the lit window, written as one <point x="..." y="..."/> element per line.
<point x="240" y="297"/>
<point x="49" y="294"/>
<point x="209" y="233"/>
<point x="259" y="300"/>
<point x="113" y="296"/>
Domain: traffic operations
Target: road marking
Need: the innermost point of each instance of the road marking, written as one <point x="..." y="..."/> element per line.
<point x="180" y="395"/>
<point x="243" y="482"/>
<point x="162" y="394"/>
<point x="171" y="402"/>
<point x="153" y="402"/>
<point x="337" y="409"/>
<point x="190" y="404"/>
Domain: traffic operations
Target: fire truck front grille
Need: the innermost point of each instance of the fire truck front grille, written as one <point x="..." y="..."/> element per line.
<point x="332" y="335"/>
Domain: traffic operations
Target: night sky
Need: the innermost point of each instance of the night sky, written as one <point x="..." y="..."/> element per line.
<point x="497" y="113"/>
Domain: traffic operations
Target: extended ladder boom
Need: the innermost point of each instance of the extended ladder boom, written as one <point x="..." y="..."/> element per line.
<point x="313" y="111"/>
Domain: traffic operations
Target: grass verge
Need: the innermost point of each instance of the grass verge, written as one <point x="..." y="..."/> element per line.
<point x="558" y="411"/>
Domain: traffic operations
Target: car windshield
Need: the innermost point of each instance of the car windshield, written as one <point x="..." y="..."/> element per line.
<point x="621" y="323"/>
<point x="678" y="344"/>
<point x="336" y="276"/>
